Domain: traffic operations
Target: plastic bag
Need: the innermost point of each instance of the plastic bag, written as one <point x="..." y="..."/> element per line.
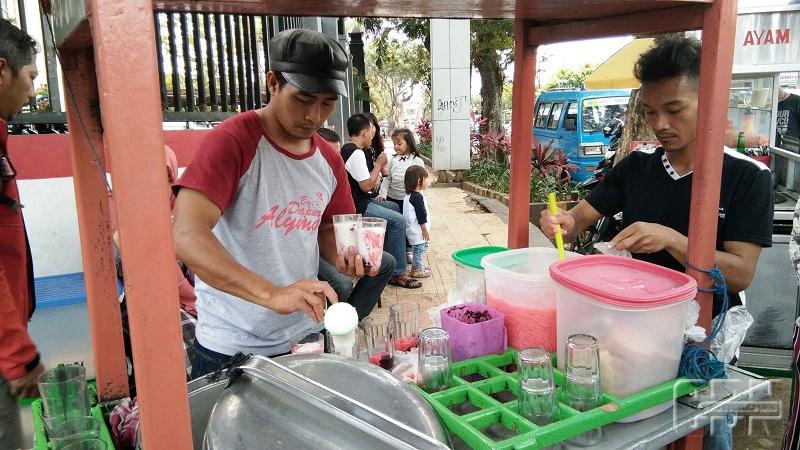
<point x="731" y="335"/>
<point x="607" y="248"/>
<point x="692" y="331"/>
<point x="454" y="298"/>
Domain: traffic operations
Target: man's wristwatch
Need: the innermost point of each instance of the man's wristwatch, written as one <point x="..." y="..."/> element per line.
<point x="33" y="363"/>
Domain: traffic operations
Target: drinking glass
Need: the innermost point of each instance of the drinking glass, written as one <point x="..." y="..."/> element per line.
<point x="63" y="392"/>
<point x="87" y="444"/>
<point x="371" y="232"/>
<point x="73" y="430"/>
<point x="345" y="229"/>
<point x="434" y="359"/>
<point x="537" y="401"/>
<point x="582" y="381"/>
<point x="404" y="318"/>
<point x="308" y="343"/>
<point x="380" y="349"/>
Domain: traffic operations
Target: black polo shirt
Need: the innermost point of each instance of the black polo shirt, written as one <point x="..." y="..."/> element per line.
<point x="645" y="188"/>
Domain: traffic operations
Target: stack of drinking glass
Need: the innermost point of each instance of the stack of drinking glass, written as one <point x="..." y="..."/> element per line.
<point x="581" y="390"/>
<point x="67" y="418"/>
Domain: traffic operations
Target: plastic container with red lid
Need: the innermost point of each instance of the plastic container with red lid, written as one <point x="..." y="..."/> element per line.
<point x="636" y="310"/>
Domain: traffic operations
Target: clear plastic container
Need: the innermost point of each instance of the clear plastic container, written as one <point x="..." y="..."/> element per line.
<point x="470" y="285"/>
<point x="636" y="310"/>
<point x="518" y="284"/>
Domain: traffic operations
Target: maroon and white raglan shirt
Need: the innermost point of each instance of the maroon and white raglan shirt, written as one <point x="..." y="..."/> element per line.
<point x="272" y="204"/>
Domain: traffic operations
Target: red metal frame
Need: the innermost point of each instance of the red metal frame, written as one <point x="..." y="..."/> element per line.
<point x="522" y="99"/>
<point x="94" y="224"/>
<point x="122" y="36"/>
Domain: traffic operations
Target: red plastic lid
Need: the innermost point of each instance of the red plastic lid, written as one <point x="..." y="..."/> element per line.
<point x="625" y="282"/>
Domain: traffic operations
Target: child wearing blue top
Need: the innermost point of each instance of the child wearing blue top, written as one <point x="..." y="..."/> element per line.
<point x="418" y="219"/>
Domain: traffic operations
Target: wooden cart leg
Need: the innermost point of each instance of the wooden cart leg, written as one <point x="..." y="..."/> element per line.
<point x="692" y="441"/>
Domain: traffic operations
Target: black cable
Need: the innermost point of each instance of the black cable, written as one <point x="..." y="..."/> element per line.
<point x="101" y="167"/>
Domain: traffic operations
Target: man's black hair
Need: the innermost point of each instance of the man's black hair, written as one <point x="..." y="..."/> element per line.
<point x="329" y="135"/>
<point x="281" y="79"/>
<point x="357" y="123"/>
<point x="16" y="46"/>
<point x="671" y="56"/>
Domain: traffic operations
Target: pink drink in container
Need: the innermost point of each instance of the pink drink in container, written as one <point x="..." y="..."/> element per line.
<point x="345" y="228"/>
<point x="371" y="232"/>
<point x="518" y="284"/>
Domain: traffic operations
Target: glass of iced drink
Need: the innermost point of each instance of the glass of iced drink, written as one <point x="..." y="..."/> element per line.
<point x="345" y="228"/>
<point x="371" y="231"/>
<point x="380" y="348"/>
<point x="404" y="318"/>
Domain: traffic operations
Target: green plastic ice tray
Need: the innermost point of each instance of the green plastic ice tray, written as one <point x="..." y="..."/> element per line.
<point x="480" y="406"/>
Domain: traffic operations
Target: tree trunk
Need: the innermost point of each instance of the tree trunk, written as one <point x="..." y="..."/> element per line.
<point x="636" y="127"/>
<point x="492" y="78"/>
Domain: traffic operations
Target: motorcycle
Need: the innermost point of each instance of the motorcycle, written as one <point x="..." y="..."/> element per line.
<point x="607" y="227"/>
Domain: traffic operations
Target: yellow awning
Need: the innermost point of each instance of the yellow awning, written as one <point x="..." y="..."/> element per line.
<point x="617" y="71"/>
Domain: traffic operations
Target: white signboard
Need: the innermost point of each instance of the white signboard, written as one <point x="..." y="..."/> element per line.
<point x="767" y="42"/>
<point x="450" y="93"/>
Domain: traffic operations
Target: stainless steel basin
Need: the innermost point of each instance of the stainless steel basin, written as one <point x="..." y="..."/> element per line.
<point x="353" y="404"/>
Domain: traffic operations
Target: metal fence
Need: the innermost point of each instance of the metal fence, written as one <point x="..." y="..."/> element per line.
<point x="210" y="67"/>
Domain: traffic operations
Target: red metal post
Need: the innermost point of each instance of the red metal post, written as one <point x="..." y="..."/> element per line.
<point x="97" y="249"/>
<point x="719" y="29"/>
<point x="127" y="77"/>
<point x="522" y="101"/>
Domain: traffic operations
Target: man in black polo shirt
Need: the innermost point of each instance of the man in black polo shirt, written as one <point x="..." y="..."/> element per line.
<point x="653" y="191"/>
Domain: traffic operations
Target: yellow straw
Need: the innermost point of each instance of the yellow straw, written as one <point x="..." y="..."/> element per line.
<point x="551" y="199"/>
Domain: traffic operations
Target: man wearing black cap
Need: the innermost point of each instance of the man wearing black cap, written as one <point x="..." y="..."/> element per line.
<point x="254" y="208"/>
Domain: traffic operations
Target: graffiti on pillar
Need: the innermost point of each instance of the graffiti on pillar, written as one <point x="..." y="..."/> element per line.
<point x="441" y="144"/>
<point x="455" y="105"/>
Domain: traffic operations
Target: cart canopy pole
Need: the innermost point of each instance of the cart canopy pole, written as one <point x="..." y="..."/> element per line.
<point x="522" y="101"/>
<point x="127" y="77"/>
<point x="91" y="198"/>
<point x="719" y="29"/>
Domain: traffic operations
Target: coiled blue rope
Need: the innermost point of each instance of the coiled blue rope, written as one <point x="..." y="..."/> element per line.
<point x="698" y="363"/>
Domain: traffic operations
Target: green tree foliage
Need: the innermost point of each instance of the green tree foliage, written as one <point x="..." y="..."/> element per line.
<point x="491" y="51"/>
<point x="392" y="73"/>
<point x="568" y="78"/>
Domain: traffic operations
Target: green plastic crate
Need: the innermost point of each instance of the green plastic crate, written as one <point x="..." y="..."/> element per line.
<point x="40" y="441"/>
<point x="481" y="408"/>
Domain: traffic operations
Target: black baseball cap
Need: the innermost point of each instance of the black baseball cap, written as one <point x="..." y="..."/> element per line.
<point x="310" y="60"/>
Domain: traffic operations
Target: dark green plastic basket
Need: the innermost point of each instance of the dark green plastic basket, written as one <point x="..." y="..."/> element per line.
<point x="482" y="410"/>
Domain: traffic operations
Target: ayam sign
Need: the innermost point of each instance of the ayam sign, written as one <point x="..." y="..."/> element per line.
<point x="767" y="42"/>
<point x="767" y="37"/>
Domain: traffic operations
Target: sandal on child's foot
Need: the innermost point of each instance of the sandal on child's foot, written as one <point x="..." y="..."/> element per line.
<point x="404" y="281"/>
<point x="423" y="272"/>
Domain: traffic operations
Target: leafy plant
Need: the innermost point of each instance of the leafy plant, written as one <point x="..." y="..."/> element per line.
<point x="424" y="131"/>
<point x="494" y="144"/>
